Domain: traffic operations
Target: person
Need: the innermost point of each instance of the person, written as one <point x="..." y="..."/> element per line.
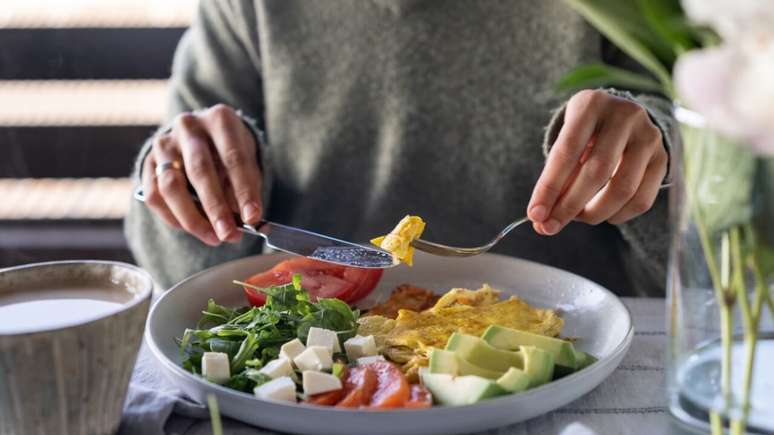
<point x="343" y="116"/>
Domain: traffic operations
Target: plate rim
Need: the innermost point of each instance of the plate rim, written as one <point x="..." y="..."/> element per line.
<point x="160" y="357"/>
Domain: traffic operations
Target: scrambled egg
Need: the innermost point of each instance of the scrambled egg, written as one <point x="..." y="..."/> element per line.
<point x="398" y="242"/>
<point x="408" y="339"/>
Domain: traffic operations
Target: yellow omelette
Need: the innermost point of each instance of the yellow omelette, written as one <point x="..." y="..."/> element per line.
<point x="398" y="242"/>
<point x="407" y="339"/>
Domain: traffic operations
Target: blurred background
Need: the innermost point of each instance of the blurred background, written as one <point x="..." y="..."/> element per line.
<point x="82" y="84"/>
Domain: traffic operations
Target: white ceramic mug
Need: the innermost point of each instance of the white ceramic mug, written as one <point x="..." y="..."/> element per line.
<point x="66" y="362"/>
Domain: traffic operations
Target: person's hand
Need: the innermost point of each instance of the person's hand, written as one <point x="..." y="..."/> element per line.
<point x="216" y="153"/>
<point x="607" y="164"/>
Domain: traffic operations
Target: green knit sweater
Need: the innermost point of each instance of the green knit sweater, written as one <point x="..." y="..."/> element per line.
<point x="374" y="109"/>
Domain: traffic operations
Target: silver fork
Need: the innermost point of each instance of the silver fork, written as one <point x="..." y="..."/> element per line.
<point x="452" y="251"/>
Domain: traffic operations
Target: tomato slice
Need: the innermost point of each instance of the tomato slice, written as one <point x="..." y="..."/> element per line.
<point x="392" y="390"/>
<point x="320" y="279"/>
<point x="326" y="399"/>
<point x="360" y="384"/>
<point x="419" y="398"/>
<point x="365" y="281"/>
<point x="377" y="385"/>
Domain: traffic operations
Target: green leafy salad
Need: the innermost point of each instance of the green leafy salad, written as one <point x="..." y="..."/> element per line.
<point x="252" y="336"/>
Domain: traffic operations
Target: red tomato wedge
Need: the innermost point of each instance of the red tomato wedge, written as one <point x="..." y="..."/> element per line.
<point x="420" y="398"/>
<point x="320" y="279"/>
<point x="392" y="390"/>
<point x="378" y="385"/>
<point x="326" y="399"/>
<point x="359" y="385"/>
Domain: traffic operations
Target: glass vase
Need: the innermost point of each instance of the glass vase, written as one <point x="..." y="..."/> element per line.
<point x="720" y="368"/>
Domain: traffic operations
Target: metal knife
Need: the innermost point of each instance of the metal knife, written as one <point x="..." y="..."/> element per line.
<point x="309" y="244"/>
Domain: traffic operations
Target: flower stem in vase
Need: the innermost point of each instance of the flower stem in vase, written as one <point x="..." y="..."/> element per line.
<point x="751" y="319"/>
<point x="720" y="281"/>
<point x="748" y="320"/>
<point x="726" y="301"/>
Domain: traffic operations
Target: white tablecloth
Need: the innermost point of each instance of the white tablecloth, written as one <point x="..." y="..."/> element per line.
<point x="631" y="401"/>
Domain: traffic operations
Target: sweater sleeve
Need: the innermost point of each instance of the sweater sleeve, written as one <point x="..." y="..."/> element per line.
<point x="216" y="61"/>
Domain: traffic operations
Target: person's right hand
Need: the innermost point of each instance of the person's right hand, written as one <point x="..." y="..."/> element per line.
<point x="217" y="156"/>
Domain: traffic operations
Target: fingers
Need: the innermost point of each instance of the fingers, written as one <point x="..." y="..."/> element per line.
<point x="621" y="188"/>
<point x="174" y="190"/>
<point x="200" y="170"/>
<point x="153" y="198"/>
<point x="579" y="125"/>
<point x="237" y="151"/>
<point x="594" y="174"/>
<point x="547" y="228"/>
<point x="646" y="195"/>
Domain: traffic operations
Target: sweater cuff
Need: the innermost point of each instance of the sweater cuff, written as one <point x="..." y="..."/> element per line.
<point x="658" y="109"/>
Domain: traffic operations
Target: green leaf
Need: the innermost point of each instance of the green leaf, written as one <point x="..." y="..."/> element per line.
<point x="338" y="306"/>
<point x="255" y="363"/>
<point x="297" y="281"/>
<point x="596" y="75"/>
<point x="247" y="380"/>
<point x="667" y="19"/>
<point x="338" y="369"/>
<point x="227" y="331"/>
<point x="184" y="342"/>
<point x="216" y="314"/>
<point x="257" y="377"/>
<point x="228" y="347"/>
<point x="719" y="176"/>
<point x="331" y="314"/>
<point x="763" y="215"/>
<point x="246" y="350"/>
<point x="625" y="26"/>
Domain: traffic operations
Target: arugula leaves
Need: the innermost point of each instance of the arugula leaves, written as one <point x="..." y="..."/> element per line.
<point x="252" y="336"/>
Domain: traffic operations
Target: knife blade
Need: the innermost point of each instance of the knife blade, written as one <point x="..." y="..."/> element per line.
<point x="309" y="244"/>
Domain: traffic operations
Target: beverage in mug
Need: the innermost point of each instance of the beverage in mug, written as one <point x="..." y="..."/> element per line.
<point x="69" y="337"/>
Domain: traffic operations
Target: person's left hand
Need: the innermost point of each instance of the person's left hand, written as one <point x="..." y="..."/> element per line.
<point x="607" y="164"/>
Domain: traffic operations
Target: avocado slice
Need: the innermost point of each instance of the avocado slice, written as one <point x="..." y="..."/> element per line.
<point x="514" y="380"/>
<point x="459" y="390"/>
<point x="511" y="339"/>
<point x="478" y="352"/>
<point x="583" y="360"/>
<point x="538" y="364"/>
<point x="446" y="361"/>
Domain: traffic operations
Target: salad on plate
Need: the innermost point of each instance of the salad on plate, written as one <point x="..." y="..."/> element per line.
<point x="300" y="341"/>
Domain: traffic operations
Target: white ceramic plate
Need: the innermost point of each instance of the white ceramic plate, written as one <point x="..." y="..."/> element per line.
<point x="590" y="312"/>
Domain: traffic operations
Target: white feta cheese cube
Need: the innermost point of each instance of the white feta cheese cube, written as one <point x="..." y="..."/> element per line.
<point x="323" y="337"/>
<point x="282" y="388"/>
<point x="318" y="382"/>
<point x="277" y="368"/>
<point x="370" y="359"/>
<point x="359" y="346"/>
<point x="314" y="358"/>
<point x="216" y="367"/>
<point x="292" y="349"/>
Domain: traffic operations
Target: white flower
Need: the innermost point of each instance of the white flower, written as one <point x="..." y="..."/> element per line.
<point x="732" y="86"/>
<point x="732" y="18"/>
